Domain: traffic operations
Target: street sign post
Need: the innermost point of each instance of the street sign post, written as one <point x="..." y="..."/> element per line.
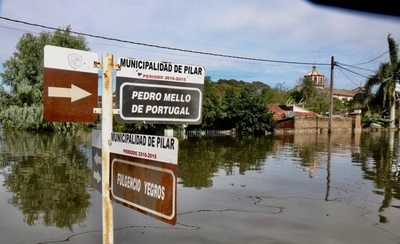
<point x="143" y="174"/>
<point x="159" y="92"/>
<point x="70" y="85"/>
<point x="143" y="167"/>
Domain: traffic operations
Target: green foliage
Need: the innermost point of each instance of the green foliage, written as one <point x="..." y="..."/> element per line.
<point x="246" y="112"/>
<point x="49" y="176"/>
<point x="235" y="104"/>
<point x="23" y="74"/>
<point x="308" y="92"/>
<point x="5" y="99"/>
<point x="277" y="95"/>
<point x="211" y="110"/>
<point x="24" y="118"/>
<point x="31" y="118"/>
<point x="313" y="99"/>
<point x="230" y="106"/>
<point x="385" y="78"/>
<point x="339" y="105"/>
<point x="253" y="115"/>
<point x="377" y="118"/>
<point x="320" y="104"/>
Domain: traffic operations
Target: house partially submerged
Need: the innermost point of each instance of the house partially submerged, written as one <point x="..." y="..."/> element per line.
<point x="286" y="114"/>
<point x="293" y="118"/>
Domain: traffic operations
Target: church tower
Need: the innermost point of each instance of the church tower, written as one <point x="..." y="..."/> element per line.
<point x="316" y="77"/>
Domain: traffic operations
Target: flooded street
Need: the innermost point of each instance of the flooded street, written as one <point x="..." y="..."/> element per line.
<point x="302" y="188"/>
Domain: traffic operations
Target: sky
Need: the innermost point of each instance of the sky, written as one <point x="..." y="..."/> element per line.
<point x="275" y="31"/>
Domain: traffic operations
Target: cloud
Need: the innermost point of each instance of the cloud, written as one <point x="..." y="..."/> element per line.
<point x="291" y="30"/>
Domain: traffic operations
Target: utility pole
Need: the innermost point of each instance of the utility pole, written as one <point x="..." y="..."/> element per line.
<point x="331" y="97"/>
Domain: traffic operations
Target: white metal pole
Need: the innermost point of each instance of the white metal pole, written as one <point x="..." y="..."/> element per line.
<point x="106" y="130"/>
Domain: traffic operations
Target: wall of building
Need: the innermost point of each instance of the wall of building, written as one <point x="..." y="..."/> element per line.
<point x="313" y="124"/>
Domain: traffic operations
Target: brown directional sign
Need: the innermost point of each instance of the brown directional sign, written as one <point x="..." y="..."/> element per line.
<point x="70" y="85"/>
<point x="144" y="185"/>
<point x="69" y="96"/>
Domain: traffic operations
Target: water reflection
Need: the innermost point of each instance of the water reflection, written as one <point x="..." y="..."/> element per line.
<point x="200" y="158"/>
<point x="48" y="176"/>
<point x="374" y="153"/>
<point x="379" y="162"/>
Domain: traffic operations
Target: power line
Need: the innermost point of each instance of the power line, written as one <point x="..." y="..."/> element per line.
<point x="164" y="47"/>
<point x="347" y="76"/>
<point x="131" y="48"/>
<point x="372" y="60"/>
<point x="353" y="66"/>
<point x="338" y="65"/>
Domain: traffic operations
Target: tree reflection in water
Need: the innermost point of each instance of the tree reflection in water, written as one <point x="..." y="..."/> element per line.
<point x="375" y="154"/>
<point x="49" y="176"/>
<point x="201" y="157"/>
<point x="383" y="169"/>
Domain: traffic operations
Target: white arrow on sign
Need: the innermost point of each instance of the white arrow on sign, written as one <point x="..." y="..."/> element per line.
<point x="97" y="159"/>
<point x="97" y="176"/>
<point x="75" y="93"/>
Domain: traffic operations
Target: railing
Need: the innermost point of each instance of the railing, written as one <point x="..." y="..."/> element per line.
<point x="205" y="133"/>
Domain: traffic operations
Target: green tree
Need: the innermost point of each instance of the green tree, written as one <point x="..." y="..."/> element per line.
<point x="247" y="112"/>
<point x="254" y="115"/>
<point x="362" y="99"/>
<point x="308" y="92"/>
<point x="5" y="99"/>
<point x="276" y="95"/>
<point x="230" y="107"/>
<point x="385" y="77"/>
<point x="320" y="104"/>
<point x="23" y="75"/>
<point x="212" y="110"/>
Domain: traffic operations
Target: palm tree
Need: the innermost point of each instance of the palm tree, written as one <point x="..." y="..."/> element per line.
<point x="386" y="78"/>
<point x="308" y="91"/>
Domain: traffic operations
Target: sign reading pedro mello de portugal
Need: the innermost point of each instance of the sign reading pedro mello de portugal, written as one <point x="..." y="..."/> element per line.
<point x="159" y="92"/>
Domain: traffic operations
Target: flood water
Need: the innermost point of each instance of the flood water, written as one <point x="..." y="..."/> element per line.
<point x="302" y="188"/>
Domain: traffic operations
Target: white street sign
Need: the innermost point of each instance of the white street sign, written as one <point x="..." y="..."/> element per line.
<point x="70" y="59"/>
<point x="158" y="148"/>
<point x="158" y="70"/>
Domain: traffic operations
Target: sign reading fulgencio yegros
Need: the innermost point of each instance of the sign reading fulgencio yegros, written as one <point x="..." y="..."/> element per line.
<point x="144" y="169"/>
<point x="159" y="92"/>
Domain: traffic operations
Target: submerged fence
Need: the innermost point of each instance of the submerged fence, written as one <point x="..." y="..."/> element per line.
<point x="206" y="133"/>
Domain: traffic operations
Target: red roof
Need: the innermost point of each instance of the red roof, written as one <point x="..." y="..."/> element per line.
<point x="280" y="113"/>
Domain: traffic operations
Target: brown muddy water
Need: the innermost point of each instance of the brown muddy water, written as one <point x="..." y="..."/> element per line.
<point x="302" y="188"/>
